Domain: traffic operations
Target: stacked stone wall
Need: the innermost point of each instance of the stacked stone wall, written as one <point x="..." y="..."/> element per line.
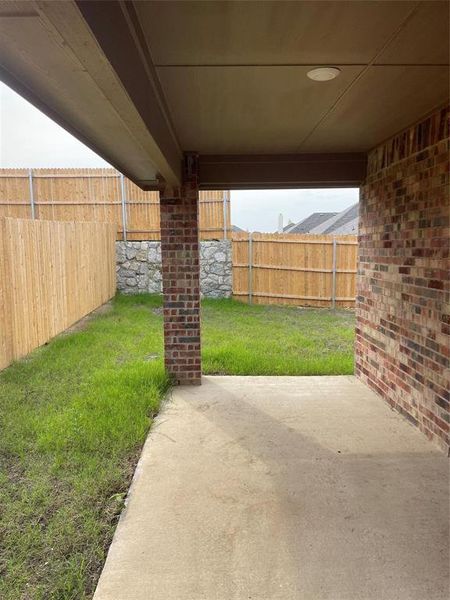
<point x="139" y="268"/>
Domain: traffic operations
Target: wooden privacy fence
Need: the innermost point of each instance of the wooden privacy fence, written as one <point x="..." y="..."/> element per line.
<point x="51" y="275"/>
<point x="101" y="195"/>
<point x="307" y="270"/>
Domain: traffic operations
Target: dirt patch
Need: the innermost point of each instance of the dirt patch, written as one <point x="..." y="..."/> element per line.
<point x="82" y="323"/>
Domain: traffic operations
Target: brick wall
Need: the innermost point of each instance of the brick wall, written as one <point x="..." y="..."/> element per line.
<point x="181" y="279"/>
<point x="403" y="311"/>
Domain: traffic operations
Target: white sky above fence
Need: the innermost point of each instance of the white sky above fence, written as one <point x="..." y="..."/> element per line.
<point x="30" y="139"/>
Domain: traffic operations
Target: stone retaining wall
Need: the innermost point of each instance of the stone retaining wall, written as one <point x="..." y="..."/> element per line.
<point x="139" y="268"/>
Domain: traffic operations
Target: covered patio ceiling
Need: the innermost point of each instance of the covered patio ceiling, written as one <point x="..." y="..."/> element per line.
<point x="143" y="82"/>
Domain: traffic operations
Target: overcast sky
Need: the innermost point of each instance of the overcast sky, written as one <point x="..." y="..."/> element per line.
<point x="30" y="139"/>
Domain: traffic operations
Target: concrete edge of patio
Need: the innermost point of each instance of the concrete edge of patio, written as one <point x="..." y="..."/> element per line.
<point x="280" y="488"/>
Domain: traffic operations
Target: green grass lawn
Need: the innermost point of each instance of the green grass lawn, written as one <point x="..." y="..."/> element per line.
<point x="272" y="340"/>
<point x="74" y="415"/>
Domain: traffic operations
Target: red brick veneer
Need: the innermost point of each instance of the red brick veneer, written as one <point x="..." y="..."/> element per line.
<point x="181" y="278"/>
<point x="403" y="312"/>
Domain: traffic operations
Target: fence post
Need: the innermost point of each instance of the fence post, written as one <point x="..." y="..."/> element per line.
<point x="30" y="183"/>
<point x="7" y="307"/>
<point x="124" y="207"/>
<point x="225" y="215"/>
<point x="250" y="267"/>
<point x="333" y="283"/>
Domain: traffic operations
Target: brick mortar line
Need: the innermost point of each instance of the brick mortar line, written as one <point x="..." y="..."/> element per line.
<point x="391" y="165"/>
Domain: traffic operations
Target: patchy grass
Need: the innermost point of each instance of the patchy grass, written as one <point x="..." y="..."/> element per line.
<point x="273" y="340"/>
<point x="74" y="415"/>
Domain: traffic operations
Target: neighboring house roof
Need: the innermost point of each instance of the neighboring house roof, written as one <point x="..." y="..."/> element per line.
<point x="236" y="229"/>
<point x="342" y="223"/>
<point x="309" y="223"/>
<point x="288" y="226"/>
<point x="351" y="227"/>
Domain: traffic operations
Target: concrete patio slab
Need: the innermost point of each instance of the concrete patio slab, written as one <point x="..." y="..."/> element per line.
<point x="282" y="488"/>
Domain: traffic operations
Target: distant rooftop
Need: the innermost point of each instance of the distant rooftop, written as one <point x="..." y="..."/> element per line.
<point x="345" y="222"/>
<point x="309" y="223"/>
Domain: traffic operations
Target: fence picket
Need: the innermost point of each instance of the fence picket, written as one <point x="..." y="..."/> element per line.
<point x="51" y="275"/>
<point x="101" y="195"/>
<point x="309" y="270"/>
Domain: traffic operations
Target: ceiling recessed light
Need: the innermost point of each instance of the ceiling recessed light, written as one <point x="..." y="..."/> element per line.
<point x="323" y="73"/>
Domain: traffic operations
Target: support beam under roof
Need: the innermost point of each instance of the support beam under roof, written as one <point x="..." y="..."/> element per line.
<point x="282" y="171"/>
<point x="50" y="55"/>
<point x="118" y="33"/>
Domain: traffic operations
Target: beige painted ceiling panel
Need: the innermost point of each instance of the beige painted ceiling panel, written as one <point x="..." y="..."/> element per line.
<point x="299" y="32"/>
<point x="384" y="101"/>
<point x="424" y="39"/>
<point x="247" y="109"/>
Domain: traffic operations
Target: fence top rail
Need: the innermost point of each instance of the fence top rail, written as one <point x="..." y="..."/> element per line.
<point x="290" y="236"/>
<point x="60" y="172"/>
<point x="37" y="221"/>
<point x="239" y="265"/>
<point x="61" y="176"/>
<point x="295" y="296"/>
<point x="93" y="202"/>
<point x="325" y="240"/>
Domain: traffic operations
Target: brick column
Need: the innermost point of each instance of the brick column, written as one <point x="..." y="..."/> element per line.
<point x="181" y="277"/>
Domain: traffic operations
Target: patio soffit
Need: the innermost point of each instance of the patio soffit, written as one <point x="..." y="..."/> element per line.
<point x="143" y="82"/>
